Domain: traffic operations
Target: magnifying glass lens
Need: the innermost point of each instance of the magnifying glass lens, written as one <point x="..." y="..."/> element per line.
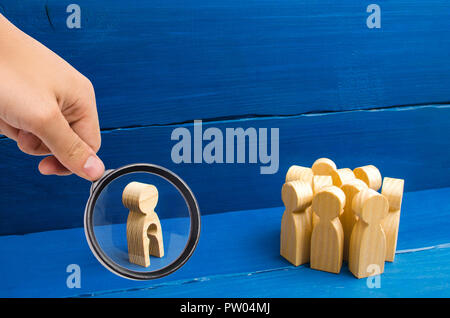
<point x="148" y="233"/>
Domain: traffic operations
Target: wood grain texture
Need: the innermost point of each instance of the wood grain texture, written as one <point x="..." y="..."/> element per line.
<point x="368" y="240"/>
<point x="251" y="252"/>
<point x="348" y="218"/>
<point x="342" y="176"/>
<point x="296" y="223"/>
<point x="144" y="233"/>
<point x="323" y="167"/>
<point x="417" y="153"/>
<point x="319" y="182"/>
<point x="370" y="175"/>
<point x="393" y="191"/>
<point x="299" y="173"/>
<point x="181" y="61"/>
<point x="327" y="241"/>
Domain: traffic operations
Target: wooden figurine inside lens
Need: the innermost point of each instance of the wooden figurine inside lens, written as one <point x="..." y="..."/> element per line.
<point x="144" y="234"/>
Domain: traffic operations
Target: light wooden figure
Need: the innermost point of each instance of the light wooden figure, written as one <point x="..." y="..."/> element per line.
<point x="348" y="217"/>
<point x="319" y="182"/>
<point x="341" y="176"/>
<point x="299" y="173"/>
<point x="144" y="234"/>
<point x="327" y="241"/>
<point x="296" y="225"/>
<point x="393" y="191"/>
<point x="368" y="240"/>
<point x="370" y="175"/>
<point x="323" y="167"/>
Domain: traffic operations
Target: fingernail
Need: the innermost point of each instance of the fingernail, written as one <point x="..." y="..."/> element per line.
<point x="94" y="167"/>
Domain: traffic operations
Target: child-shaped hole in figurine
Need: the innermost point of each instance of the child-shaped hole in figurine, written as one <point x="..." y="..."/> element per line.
<point x="144" y="234"/>
<point x="327" y="241"/>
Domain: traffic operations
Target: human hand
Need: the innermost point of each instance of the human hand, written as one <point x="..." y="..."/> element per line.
<point x="47" y="106"/>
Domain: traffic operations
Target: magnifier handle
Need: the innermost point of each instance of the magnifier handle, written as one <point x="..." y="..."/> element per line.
<point x="95" y="183"/>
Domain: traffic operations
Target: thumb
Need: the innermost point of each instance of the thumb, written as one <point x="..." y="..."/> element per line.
<point x="70" y="150"/>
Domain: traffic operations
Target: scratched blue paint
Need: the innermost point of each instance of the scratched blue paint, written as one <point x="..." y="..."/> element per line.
<point x="166" y="61"/>
<point x="409" y="143"/>
<point x="433" y="267"/>
<point x="243" y="248"/>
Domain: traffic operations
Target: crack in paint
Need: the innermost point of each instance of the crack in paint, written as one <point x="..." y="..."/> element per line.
<point x="277" y="116"/>
<point x="47" y="13"/>
<point x="248" y="117"/>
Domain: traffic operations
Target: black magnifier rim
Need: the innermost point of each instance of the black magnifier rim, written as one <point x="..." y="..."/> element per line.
<point x="185" y="191"/>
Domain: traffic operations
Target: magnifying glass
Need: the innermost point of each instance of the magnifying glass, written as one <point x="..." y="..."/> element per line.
<point x="141" y="221"/>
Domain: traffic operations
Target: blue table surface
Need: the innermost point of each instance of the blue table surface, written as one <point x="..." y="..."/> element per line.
<point x="238" y="256"/>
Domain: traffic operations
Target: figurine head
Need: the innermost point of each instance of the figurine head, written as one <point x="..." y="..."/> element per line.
<point x="370" y="206"/>
<point x="296" y="195"/>
<point x="140" y="197"/>
<point x="328" y="203"/>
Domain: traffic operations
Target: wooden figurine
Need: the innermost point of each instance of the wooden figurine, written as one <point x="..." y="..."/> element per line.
<point x="144" y="234"/>
<point x="370" y="175"/>
<point x="393" y="191"/>
<point x="299" y="173"/>
<point x="323" y="167"/>
<point x="319" y="182"/>
<point x="327" y="241"/>
<point x="341" y="176"/>
<point x="348" y="218"/>
<point x="368" y="240"/>
<point x="296" y="225"/>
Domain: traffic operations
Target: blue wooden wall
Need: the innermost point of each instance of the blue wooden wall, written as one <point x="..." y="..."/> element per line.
<point x="314" y="70"/>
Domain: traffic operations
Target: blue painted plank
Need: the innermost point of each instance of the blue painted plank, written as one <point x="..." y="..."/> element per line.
<point x="168" y="61"/>
<point x="409" y="143"/>
<point x="420" y="274"/>
<point x="232" y="244"/>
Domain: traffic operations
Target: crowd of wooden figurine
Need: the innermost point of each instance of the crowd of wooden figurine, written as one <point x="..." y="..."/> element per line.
<point x="334" y="215"/>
